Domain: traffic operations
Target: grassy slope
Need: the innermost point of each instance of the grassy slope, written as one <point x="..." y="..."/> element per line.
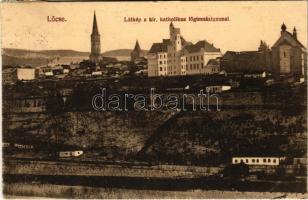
<point x="215" y="137"/>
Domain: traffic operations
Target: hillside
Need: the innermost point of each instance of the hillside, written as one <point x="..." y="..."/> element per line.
<point x="211" y="138"/>
<point x="119" y="52"/>
<point x="37" y="58"/>
<point x="13" y="61"/>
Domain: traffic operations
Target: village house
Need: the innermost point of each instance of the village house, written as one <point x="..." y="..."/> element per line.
<point x="26" y="73"/>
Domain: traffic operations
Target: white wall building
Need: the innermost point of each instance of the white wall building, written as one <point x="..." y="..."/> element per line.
<point x="25" y="74"/>
<point x="183" y="58"/>
<point x="64" y="154"/>
<point x="258" y="160"/>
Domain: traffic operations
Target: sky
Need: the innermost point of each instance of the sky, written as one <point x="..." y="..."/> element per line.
<point x="25" y="25"/>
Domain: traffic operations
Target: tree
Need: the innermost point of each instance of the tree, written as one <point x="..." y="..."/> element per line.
<point x="236" y="171"/>
<point x="55" y="103"/>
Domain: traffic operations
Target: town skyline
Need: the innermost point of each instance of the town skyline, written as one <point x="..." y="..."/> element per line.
<point x="243" y="35"/>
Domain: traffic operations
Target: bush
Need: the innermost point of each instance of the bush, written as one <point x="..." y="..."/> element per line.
<point x="236" y="171"/>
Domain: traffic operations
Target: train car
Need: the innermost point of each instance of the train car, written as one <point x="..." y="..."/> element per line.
<point x="272" y="161"/>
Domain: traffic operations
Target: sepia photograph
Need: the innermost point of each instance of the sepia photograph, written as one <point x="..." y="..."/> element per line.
<point x="154" y="100"/>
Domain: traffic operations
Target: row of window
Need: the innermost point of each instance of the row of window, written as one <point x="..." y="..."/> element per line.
<point x="191" y="58"/>
<point x="195" y="66"/>
<point x="191" y="67"/>
<point x="30" y="103"/>
<point x="165" y="62"/>
<point x="184" y="69"/>
<point x="170" y="68"/>
<point x="195" y="58"/>
<point x="162" y="56"/>
<point x="256" y="160"/>
<point x="176" y="37"/>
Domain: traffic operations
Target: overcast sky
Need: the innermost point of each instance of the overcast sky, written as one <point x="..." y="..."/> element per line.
<point x="25" y="25"/>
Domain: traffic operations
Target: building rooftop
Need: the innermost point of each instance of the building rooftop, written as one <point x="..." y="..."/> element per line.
<point x="201" y="44"/>
<point x="213" y="62"/>
<point x="288" y="38"/>
<point x="8" y="70"/>
<point x="184" y="42"/>
<point x="160" y="47"/>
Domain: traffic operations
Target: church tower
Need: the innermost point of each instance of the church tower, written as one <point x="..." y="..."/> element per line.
<point x="136" y="53"/>
<point x="175" y="37"/>
<point x="95" y="55"/>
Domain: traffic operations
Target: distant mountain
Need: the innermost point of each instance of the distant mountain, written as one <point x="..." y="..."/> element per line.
<point x="43" y="53"/>
<point x="117" y="52"/>
<point x="13" y="57"/>
<point x="14" y="61"/>
<point x="40" y="57"/>
<point x="121" y="54"/>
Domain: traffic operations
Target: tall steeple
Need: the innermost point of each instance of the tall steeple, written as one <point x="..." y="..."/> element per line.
<point x="94" y="28"/>
<point x="137" y="46"/>
<point x="136" y="52"/>
<point x="95" y="55"/>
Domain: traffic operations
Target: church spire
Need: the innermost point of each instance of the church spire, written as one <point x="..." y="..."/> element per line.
<point x="283" y="28"/>
<point x="137" y="46"/>
<point x="95" y="43"/>
<point x="95" y="29"/>
<point x="294" y="33"/>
